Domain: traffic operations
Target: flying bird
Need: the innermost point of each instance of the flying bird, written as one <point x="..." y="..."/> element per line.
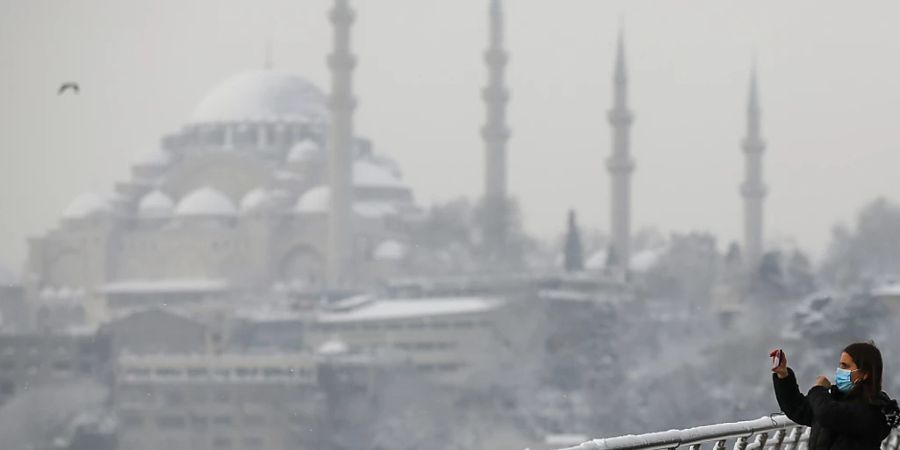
<point x="68" y="86"/>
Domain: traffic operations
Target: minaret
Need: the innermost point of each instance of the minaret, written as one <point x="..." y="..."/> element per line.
<point x="753" y="190"/>
<point x="340" y="149"/>
<point x="495" y="131"/>
<point x="620" y="164"/>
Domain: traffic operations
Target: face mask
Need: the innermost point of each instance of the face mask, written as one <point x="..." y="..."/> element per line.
<point x="842" y="379"/>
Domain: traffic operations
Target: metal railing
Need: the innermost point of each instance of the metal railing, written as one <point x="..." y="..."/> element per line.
<point x="775" y="432"/>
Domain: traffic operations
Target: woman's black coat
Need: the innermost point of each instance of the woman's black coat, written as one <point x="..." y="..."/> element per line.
<point x="838" y="421"/>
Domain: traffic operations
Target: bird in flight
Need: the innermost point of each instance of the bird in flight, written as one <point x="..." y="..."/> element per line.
<point x="67" y="86"/>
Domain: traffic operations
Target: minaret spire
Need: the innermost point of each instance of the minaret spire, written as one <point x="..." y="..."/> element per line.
<point x="340" y="149"/>
<point x="753" y="190"/>
<point x="620" y="164"/>
<point x="495" y="131"/>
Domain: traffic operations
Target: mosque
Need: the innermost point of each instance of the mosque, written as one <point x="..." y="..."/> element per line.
<point x="266" y="187"/>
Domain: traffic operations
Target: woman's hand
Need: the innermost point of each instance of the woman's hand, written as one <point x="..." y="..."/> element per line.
<point x="781" y="369"/>
<point x="823" y="381"/>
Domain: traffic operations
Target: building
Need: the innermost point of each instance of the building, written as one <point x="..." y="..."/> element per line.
<point x="236" y="200"/>
<point x="226" y="401"/>
<point x="443" y="338"/>
<point x="29" y="360"/>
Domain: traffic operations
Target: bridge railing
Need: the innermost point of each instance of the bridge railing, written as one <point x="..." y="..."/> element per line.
<point x="775" y="432"/>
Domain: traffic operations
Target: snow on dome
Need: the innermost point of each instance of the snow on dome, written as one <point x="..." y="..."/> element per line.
<point x="390" y="250"/>
<point x="86" y="205"/>
<point x="369" y="174"/>
<point x="205" y="201"/>
<point x="262" y="95"/>
<point x="303" y="151"/>
<point x="155" y="157"/>
<point x="597" y="260"/>
<point x="156" y="205"/>
<point x="256" y="200"/>
<point x="645" y="260"/>
<point x="332" y="347"/>
<point x="315" y="200"/>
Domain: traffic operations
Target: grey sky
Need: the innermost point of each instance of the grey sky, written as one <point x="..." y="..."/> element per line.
<point x="829" y="80"/>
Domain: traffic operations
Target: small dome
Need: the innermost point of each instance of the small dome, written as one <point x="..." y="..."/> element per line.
<point x="257" y="200"/>
<point x="315" y="200"/>
<point x="303" y="151"/>
<point x="390" y="250"/>
<point x="87" y="205"/>
<point x="206" y="201"/>
<point x="597" y="260"/>
<point x="156" y="157"/>
<point x="262" y="95"/>
<point x="370" y="174"/>
<point x="156" y="205"/>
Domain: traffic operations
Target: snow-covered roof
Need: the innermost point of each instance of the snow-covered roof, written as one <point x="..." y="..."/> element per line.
<point x="155" y="157"/>
<point x="596" y="260"/>
<point x="315" y="200"/>
<point x="206" y="201"/>
<point x="164" y="286"/>
<point x="262" y="95"/>
<point x="156" y="205"/>
<point x="887" y="290"/>
<point x="389" y="250"/>
<point x="410" y="308"/>
<point x="374" y="210"/>
<point x="332" y="347"/>
<point x="367" y="173"/>
<point x="645" y="260"/>
<point x="304" y="150"/>
<point x="86" y="205"/>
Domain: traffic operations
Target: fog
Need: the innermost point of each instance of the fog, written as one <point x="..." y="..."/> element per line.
<point x="205" y="247"/>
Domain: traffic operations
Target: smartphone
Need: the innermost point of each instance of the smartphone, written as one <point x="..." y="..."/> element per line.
<point x="777" y="358"/>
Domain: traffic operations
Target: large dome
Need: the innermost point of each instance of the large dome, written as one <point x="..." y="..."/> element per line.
<point x="262" y="95"/>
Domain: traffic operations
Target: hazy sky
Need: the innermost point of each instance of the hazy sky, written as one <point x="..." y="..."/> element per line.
<point x="829" y="80"/>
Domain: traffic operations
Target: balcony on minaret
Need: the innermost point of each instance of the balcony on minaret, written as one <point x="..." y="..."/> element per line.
<point x="620" y="116"/>
<point x="620" y="164"/>
<point x="342" y="14"/>
<point x="496" y="57"/>
<point x="753" y="145"/>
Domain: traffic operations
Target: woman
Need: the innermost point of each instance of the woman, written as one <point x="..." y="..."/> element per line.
<point x="852" y="414"/>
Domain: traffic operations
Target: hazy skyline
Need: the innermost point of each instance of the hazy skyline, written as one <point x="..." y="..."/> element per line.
<point x="829" y="96"/>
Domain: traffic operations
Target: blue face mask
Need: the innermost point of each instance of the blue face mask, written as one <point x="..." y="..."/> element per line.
<point x="842" y="379"/>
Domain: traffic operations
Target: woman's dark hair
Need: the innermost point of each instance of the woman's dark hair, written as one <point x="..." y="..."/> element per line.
<point x="868" y="359"/>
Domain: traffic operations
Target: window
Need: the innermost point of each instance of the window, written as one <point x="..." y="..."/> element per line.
<point x="197" y="373"/>
<point x="199" y="423"/>
<point x="222" y="396"/>
<point x="253" y="442"/>
<point x="223" y="420"/>
<point x="171" y="422"/>
<point x="254" y="420"/>
<point x="131" y="420"/>
<point x="7" y="365"/>
<point x="222" y="442"/>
